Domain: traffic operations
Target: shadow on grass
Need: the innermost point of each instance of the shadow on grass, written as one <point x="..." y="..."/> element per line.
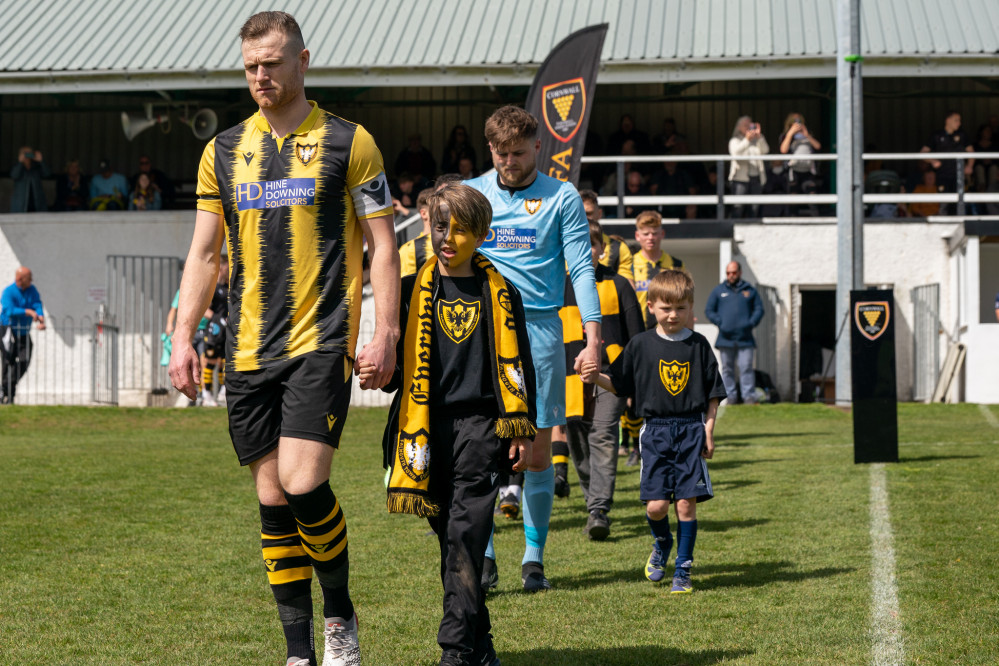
<point x="631" y="526"/>
<point x="732" y="464"/>
<point x="625" y="656"/>
<point x="757" y="574"/>
<point x="909" y="459"/>
<point x="757" y="435"/>
<point x="735" y="484"/>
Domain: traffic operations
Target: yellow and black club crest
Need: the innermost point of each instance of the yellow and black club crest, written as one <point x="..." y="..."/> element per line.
<point x="532" y="206"/>
<point x="305" y="153"/>
<point x="674" y="375"/>
<point x="458" y="318"/>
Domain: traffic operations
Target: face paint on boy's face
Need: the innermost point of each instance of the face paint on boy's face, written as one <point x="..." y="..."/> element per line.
<point x="453" y="243"/>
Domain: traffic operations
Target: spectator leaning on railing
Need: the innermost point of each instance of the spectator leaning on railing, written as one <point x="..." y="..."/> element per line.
<point x="20" y="305"/>
<point x="747" y="177"/>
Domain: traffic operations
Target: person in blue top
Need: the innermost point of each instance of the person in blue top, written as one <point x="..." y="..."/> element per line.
<point x="20" y="305"/>
<point x="735" y="308"/>
<point x="539" y="229"/>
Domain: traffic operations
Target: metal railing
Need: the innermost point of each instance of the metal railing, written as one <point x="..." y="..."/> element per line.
<point x="72" y="363"/>
<point x="720" y="199"/>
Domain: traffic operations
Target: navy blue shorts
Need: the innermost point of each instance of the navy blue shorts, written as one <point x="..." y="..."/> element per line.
<point x="672" y="466"/>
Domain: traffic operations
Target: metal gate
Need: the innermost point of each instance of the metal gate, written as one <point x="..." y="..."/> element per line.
<point x="766" y="332"/>
<point x="139" y="293"/>
<point x="925" y="341"/>
<point x="104" y="364"/>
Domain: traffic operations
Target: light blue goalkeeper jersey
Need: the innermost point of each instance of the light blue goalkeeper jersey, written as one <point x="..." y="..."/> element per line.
<point x="536" y="233"/>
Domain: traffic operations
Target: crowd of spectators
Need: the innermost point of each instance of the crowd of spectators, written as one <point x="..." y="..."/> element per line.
<point x="107" y="189"/>
<point x="786" y="167"/>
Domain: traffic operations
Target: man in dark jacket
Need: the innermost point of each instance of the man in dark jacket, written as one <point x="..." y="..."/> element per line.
<point x="735" y="308"/>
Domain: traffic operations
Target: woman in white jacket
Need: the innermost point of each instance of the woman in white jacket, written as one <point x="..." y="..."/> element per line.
<point x="747" y="177"/>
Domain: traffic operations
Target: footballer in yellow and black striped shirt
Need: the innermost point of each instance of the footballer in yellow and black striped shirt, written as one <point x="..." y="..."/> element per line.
<point x="292" y="190"/>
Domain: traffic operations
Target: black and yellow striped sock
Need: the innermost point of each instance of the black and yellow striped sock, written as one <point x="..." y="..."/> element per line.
<point x="207" y="377"/>
<point x="289" y="571"/>
<point x="221" y="372"/>
<point x="560" y="458"/>
<point x="323" y="529"/>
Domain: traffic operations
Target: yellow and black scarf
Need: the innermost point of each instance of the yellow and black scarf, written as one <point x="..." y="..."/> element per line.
<point x="410" y="460"/>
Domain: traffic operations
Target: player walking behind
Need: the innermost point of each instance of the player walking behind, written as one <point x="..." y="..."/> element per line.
<point x="539" y="228"/>
<point x="292" y="189"/>
<point x="467" y="400"/>
<point x="672" y="375"/>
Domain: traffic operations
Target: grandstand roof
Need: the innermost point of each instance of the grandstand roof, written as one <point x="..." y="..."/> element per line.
<point x="94" y="45"/>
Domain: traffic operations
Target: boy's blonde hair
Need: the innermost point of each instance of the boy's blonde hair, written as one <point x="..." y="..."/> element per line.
<point x="649" y="219"/>
<point x="671" y="286"/>
<point x="465" y="204"/>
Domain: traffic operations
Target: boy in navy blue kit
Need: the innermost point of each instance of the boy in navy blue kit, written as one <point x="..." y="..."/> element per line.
<point x="465" y="409"/>
<point x="671" y="374"/>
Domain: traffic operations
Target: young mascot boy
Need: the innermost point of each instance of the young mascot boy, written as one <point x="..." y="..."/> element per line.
<point x="671" y="374"/>
<point x="465" y="410"/>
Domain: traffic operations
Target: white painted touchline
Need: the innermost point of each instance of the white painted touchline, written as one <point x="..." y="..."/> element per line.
<point x="989" y="416"/>
<point x="887" y="647"/>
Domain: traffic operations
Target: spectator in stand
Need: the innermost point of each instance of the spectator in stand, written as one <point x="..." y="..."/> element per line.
<point x="747" y="177"/>
<point x="802" y="173"/>
<point x="670" y="141"/>
<point x="407" y="188"/>
<point x="673" y="181"/>
<point x="951" y="139"/>
<point x="709" y="212"/>
<point x="417" y="160"/>
<point x="72" y="190"/>
<point x="627" y="132"/>
<point x="455" y="149"/>
<point x="145" y="195"/>
<point x="928" y="186"/>
<point x="27" y="174"/>
<point x="159" y="179"/>
<point x="466" y="168"/>
<point x="635" y="187"/>
<point x="108" y="189"/>
<point x="986" y="171"/>
<point x="609" y="188"/>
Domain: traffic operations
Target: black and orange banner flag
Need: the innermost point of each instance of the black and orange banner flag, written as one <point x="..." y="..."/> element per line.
<point x="561" y="98"/>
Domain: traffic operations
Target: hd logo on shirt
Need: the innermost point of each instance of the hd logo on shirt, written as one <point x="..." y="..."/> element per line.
<point x="506" y="238"/>
<point x="276" y="193"/>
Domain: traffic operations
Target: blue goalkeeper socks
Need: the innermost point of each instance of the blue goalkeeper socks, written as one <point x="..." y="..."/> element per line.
<point x="490" y="552"/>
<point x="539" y="494"/>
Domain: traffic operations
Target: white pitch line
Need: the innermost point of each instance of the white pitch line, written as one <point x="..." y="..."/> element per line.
<point x="989" y="416"/>
<point x="886" y="629"/>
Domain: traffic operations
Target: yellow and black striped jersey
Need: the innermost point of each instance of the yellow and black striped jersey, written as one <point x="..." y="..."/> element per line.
<point x="414" y="253"/>
<point x="621" y="320"/>
<point x="291" y="207"/>
<point x="645" y="270"/>
<point x="617" y="256"/>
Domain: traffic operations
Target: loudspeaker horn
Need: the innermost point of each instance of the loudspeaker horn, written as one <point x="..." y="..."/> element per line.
<point x="135" y="123"/>
<point x="204" y="123"/>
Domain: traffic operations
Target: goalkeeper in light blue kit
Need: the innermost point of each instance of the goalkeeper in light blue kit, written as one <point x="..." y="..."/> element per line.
<point x="539" y="228"/>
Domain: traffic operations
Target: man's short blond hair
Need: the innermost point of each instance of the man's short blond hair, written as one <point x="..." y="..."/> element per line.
<point x="510" y="125"/>
<point x="649" y="219"/>
<point x="465" y="204"/>
<point x="671" y="286"/>
<point x="263" y="23"/>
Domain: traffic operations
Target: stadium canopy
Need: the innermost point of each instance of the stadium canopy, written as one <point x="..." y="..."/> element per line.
<point x="61" y="46"/>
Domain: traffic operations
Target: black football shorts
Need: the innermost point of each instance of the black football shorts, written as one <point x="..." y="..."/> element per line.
<point x="304" y="397"/>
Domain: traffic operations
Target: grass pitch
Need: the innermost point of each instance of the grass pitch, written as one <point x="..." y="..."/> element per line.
<point x="131" y="536"/>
